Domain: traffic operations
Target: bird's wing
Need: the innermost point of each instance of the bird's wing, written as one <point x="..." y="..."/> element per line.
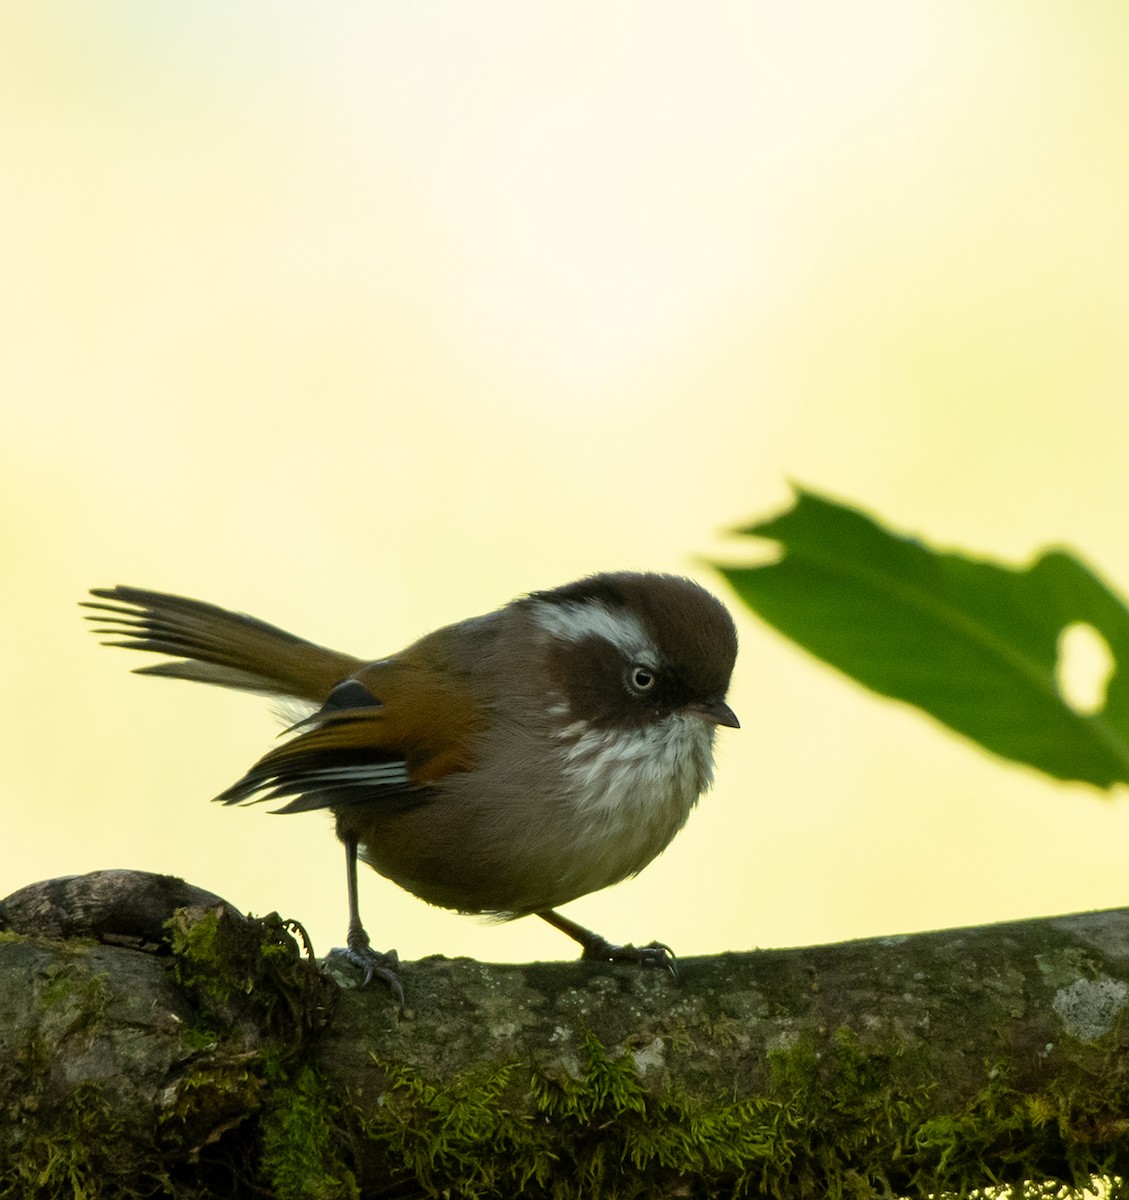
<point x="382" y="737"/>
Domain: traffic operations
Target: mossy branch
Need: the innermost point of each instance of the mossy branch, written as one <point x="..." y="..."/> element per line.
<point x="230" y="1065"/>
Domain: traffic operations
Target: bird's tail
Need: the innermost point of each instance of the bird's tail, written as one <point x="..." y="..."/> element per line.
<point x="213" y="645"/>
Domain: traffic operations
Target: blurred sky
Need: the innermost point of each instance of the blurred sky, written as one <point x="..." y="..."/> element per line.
<point x="366" y="317"/>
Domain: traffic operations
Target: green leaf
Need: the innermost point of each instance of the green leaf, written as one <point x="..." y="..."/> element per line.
<point x="972" y="642"/>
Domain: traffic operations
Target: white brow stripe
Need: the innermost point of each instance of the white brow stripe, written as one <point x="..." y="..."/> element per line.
<point x="573" y="621"/>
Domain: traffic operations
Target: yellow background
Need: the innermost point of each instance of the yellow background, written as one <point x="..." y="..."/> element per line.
<point x="366" y="317"/>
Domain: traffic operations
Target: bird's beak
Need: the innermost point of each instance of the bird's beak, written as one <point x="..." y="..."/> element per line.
<point x="713" y="712"/>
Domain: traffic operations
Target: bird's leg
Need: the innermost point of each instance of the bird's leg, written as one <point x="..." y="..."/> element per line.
<point x="357" y="948"/>
<point x="654" y="954"/>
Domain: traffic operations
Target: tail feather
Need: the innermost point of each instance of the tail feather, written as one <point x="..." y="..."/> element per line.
<point x="213" y="645"/>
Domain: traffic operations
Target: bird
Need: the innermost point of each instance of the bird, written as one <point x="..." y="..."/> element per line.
<point x="502" y="765"/>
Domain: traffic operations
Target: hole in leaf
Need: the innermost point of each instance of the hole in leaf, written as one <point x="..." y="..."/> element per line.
<point x="1085" y="665"/>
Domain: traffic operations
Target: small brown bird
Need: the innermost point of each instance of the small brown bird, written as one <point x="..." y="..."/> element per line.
<point x="505" y="764"/>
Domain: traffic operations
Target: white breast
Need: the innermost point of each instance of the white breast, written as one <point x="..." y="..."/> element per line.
<point x="631" y="792"/>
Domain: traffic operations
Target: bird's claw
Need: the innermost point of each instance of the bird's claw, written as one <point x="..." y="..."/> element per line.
<point x="653" y="954"/>
<point x="375" y="964"/>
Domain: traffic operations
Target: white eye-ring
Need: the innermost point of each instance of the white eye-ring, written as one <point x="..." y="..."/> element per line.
<point x="641" y="678"/>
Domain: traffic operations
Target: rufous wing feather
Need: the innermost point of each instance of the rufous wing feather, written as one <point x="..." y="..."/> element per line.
<point x="418" y="728"/>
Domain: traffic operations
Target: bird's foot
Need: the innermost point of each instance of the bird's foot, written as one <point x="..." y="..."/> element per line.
<point x="376" y="964"/>
<point x="653" y="954"/>
<point x="598" y="949"/>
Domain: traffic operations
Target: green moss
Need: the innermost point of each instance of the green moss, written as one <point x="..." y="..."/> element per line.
<point x="218" y="1089"/>
<point x="202" y="960"/>
<point x="563" y="1134"/>
<point x="846" y="1116"/>
<point x="82" y="997"/>
<point x="461" y="1139"/>
<point x="837" y="1120"/>
<point x="240" y="969"/>
<point x="878" y="1107"/>
<point x="72" y="1149"/>
<point x="249" y="975"/>
<point x="301" y="1157"/>
<point x="69" y="1146"/>
<point x="606" y="1117"/>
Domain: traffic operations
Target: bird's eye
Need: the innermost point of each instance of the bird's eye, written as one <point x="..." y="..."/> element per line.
<point x="641" y="678"/>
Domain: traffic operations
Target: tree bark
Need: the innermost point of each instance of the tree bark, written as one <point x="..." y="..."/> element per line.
<point x="154" y="1039"/>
